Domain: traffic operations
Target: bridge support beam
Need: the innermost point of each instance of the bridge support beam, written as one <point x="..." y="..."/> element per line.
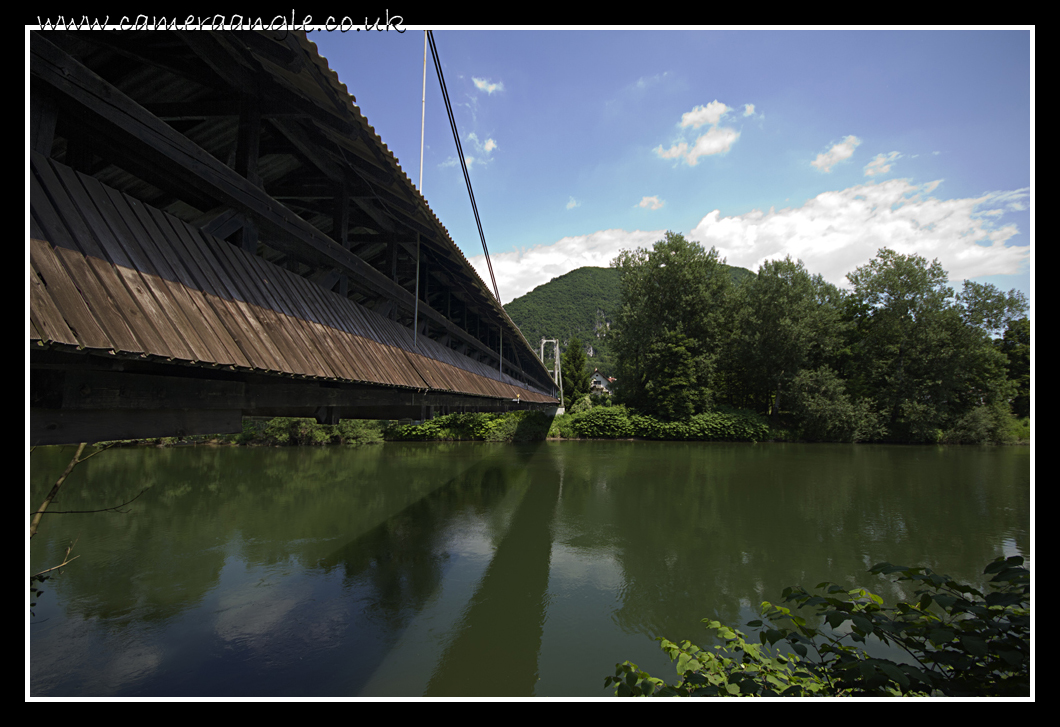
<point x="70" y="401"/>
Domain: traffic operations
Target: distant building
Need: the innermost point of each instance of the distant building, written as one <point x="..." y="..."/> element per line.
<point x="599" y="384"/>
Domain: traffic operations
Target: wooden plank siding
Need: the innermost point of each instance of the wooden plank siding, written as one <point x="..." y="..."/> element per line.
<point x="113" y="274"/>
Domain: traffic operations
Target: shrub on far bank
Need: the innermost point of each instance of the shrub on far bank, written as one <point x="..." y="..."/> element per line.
<point x="305" y="431"/>
<point x="618" y="422"/>
<point x="355" y="432"/>
<point x="516" y="426"/>
<point x="986" y="425"/>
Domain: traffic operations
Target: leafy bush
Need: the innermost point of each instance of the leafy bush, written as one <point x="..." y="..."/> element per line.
<point x="251" y="431"/>
<point x="603" y="423"/>
<point x="355" y="432"/>
<point x="983" y="424"/>
<point x="963" y="644"/>
<point x="616" y="422"/>
<point x="297" y="431"/>
<point x="1019" y="430"/>
<point x="600" y="399"/>
<point x="562" y="427"/>
<point x="518" y="426"/>
<point x="585" y="403"/>
<point x="278" y="430"/>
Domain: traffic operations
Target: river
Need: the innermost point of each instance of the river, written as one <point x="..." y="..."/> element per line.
<point x="473" y="569"/>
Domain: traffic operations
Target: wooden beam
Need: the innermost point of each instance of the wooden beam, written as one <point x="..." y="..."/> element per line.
<point x="248" y="139"/>
<point x="43" y="114"/>
<point x="74" y="426"/>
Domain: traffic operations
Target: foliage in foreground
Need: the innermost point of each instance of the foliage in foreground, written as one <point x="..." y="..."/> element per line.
<point x="961" y="643"/>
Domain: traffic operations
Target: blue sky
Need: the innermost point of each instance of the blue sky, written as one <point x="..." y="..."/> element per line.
<point x="824" y="145"/>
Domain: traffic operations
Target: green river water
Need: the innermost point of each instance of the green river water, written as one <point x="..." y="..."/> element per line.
<point x="470" y="569"/>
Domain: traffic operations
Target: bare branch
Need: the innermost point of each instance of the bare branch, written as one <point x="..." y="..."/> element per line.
<point x="55" y="490"/>
<point x="56" y="566"/>
<point x="105" y="509"/>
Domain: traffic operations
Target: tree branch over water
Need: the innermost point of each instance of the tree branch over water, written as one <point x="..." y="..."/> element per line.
<point x="105" y="509"/>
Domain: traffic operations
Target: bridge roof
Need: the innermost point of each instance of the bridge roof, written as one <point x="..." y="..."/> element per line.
<point x="163" y="144"/>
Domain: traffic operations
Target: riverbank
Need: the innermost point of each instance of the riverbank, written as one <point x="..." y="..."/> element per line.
<point x="601" y="422"/>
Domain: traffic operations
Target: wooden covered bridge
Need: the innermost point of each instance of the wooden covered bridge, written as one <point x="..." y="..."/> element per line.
<point x="217" y="232"/>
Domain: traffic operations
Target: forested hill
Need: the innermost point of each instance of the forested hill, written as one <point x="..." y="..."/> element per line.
<point x="582" y="303"/>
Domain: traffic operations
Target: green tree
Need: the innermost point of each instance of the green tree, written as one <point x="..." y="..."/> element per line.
<point x="1016" y="345"/>
<point x="678" y="386"/>
<point x="826" y="413"/>
<point x="920" y="355"/>
<point x="671" y="325"/>
<point x="782" y="323"/>
<point x="575" y="372"/>
<point x="987" y="308"/>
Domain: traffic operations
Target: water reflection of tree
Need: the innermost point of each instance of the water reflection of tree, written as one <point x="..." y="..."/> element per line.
<point x="275" y="506"/>
<point x="706" y="528"/>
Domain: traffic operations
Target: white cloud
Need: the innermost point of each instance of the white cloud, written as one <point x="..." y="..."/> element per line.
<point x="839" y="152"/>
<point x="675" y="151"/>
<point x="701" y="115"/>
<point x="521" y="271"/>
<point x="572" y="204"/>
<point x="717" y="140"/>
<point x="484" y="147"/>
<point x="644" y="82"/>
<point x="748" y="109"/>
<point x="835" y="232"/>
<point x="1012" y="200"/>
<point x="881" y="164"/>
<point x="653" y="203"/>
<point x="483" y="85"/>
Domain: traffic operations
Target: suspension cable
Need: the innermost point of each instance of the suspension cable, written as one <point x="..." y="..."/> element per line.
<point x="463" y="164"/>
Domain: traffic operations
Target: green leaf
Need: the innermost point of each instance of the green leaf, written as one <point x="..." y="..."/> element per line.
<point x="862" y="623"/>
<point x="974" y="645"/>
<point x="944" y="600"/>
<point x="894" y="673"/>
<point x="835" y="618"/>
<point x="1014" y="658"/>
<point x="999" y="598"/>
<point x="686" y="662"/>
